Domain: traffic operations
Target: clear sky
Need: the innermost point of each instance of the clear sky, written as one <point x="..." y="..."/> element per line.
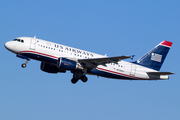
<point x="115" y="28"/>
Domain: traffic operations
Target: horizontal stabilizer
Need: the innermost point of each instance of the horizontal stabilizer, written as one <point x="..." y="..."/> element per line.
<point x="159" y="73"/>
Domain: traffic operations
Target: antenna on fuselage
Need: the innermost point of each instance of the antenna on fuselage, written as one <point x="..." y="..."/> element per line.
<point x="34" y="36"/>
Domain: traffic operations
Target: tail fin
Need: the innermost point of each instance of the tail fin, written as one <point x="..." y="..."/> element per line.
<point x="155" y="58"/>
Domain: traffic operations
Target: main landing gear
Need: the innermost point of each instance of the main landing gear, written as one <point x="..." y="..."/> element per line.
<point x="24" y="64"/>
<point x="78" y="75"/>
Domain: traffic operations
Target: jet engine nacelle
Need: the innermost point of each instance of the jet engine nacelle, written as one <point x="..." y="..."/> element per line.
<point x="46" y="67"/>
<point x="68" y="64"/>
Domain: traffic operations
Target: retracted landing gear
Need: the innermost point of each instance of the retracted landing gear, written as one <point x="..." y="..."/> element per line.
<point x="24" y="64"/>
<point x="78" y="75"/>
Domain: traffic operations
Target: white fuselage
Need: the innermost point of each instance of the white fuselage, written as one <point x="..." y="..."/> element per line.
<point x="42" y="48"/>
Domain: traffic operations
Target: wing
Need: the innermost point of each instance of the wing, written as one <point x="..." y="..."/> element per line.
<point x="94" y="62"/>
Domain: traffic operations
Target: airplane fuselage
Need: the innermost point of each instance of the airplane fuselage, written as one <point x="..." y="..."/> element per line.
<point x="49" y="52"/>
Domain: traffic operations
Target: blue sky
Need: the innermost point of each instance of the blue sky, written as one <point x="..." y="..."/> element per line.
<point x="114" y="28"/>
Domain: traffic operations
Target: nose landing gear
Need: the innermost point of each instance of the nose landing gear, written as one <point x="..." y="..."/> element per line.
<point x="23" y="57"/>
<point x="24" y="64"/>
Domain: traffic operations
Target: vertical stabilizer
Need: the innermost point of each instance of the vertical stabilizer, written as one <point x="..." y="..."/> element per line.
<point x="155" y="58"/>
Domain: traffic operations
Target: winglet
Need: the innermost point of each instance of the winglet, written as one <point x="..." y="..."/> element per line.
<point x="132" y="56"/>
<point x="166" y="43"/>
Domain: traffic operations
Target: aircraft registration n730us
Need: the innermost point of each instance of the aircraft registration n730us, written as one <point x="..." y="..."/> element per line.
<point x="60" y="58"/>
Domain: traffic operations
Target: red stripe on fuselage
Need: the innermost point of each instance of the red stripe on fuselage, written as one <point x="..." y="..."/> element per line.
<point x="39" y="54"/>
<point x="119" y="73"/>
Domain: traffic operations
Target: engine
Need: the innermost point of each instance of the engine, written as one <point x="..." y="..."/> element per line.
<point x="50" y="68"/>
<point x="68" y="64"/>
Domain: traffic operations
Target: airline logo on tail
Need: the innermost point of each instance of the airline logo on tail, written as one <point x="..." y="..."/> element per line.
<point x="156" y="57"/>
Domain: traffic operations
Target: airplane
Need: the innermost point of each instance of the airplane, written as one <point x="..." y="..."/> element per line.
<point x="57" y="58"/>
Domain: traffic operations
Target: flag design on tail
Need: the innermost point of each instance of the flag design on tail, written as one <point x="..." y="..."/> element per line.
<point x="155" y="58"/>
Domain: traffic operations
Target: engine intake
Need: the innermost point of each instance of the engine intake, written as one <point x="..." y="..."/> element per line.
<point x="50" y="68"/>
<point x="68" y="64"/>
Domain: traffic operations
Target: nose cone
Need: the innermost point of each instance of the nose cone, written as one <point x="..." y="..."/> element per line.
<point x="10" y="46"/>
<point x="7" y="45"/>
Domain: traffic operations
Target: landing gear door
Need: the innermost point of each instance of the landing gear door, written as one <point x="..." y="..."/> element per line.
<point x="32" y="44"/>
<point x="133" y="70"/>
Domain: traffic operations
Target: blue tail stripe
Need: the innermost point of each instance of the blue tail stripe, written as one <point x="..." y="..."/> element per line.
<point x="154" y="58"/>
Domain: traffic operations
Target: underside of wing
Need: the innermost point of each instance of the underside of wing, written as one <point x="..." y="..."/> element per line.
<point x="94" y="62"/>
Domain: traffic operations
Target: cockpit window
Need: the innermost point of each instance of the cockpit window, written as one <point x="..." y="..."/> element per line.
<point x="19" y="40"/>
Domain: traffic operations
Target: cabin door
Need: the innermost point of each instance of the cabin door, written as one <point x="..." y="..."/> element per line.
<point x="32" y="44"/>
<point x="133" y="70"/>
